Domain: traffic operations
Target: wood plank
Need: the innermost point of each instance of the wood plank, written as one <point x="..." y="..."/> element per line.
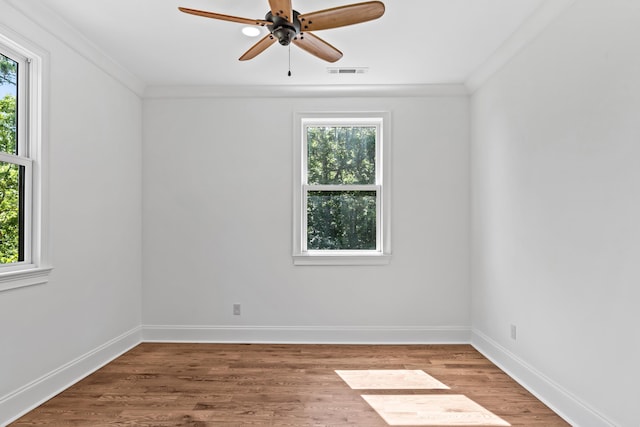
<point x="158" y="384"/>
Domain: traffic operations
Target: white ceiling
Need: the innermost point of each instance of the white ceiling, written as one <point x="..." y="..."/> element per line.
<point x="416" y="42"/>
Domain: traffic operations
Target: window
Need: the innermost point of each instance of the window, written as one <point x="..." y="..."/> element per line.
<point x="341" y="190"/>
<point x="21" y="257"/>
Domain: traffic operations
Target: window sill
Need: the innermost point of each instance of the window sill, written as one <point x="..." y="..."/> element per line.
<point x="26" y="277"/>
<point x="344" y="259"/>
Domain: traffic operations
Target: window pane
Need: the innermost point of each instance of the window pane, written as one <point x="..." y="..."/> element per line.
<point x="341" y="155"/>
<point x="11" y="213"/>
<point x="341" y="220"/>
<point x="8" y="105"/>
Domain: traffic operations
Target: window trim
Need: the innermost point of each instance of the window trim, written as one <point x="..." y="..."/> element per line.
<point x="382" y="254"/>
<point x="32" y="154"/>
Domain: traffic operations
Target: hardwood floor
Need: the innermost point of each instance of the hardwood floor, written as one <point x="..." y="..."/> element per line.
<point x="295" y="385"/>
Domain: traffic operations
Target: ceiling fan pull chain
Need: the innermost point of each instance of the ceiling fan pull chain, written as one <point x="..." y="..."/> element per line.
<point x="289" y="73"/>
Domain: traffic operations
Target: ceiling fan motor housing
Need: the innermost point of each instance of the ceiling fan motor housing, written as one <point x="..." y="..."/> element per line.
<point x="282" y="29"/>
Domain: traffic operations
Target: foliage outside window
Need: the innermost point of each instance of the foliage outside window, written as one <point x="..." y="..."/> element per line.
<point x="11" y="174"/>
<point x="20" y="169"/>
<point x="342" y="217"/>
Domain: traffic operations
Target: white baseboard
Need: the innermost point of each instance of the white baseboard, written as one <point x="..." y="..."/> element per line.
<point x="562" y="402"/>
<point x="26" y="398"/>
<point x="307" y="334"/>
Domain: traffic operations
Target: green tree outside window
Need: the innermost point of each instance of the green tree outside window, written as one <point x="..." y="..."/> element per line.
<point x="10" y="174"/>
<point x="341" y="218"/>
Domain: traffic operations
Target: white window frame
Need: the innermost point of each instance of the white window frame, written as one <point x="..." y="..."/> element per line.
<point x="35" y="268"/>
<point x="382" y="253"/>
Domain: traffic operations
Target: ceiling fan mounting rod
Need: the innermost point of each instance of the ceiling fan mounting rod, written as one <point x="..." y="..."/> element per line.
<point x="282" y="29"/>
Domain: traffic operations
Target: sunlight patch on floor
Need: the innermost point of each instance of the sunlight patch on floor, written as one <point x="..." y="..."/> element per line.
<point x="432" y="410"/>
<point x="417" y="409"/>
<point x="389" y="379"/>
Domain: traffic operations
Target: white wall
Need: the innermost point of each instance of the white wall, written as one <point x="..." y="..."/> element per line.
<point x="50" y="333"/>
<point x="555" y="208"/>
<point x="217" y="212"/>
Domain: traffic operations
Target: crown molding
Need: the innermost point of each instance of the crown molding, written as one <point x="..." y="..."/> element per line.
<point x="525" y="34"/>
<point x="299" y="91"/>
<point x="51" y="22"/>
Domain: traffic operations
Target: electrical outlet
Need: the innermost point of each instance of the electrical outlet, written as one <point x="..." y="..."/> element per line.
<point x="236" y="309"/>
<point x="513" y="332"/>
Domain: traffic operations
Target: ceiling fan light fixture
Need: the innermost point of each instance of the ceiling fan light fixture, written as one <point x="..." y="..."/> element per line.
<point x="284" y="34"/>
<point x="251" y="31"/>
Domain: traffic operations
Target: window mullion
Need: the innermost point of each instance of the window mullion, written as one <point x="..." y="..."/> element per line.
<point x="16" y="160"/>
<point x="342" y="187"/>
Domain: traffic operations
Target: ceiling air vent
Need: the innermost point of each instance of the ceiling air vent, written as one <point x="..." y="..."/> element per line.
<point x="351" y="70"/>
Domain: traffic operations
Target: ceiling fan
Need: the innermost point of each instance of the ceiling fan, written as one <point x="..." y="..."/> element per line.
<point x="289" y="26"/>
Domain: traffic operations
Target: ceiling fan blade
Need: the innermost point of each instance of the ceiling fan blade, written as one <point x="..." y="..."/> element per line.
<point x="282" y="8"/>
<point x="341" y="16"/>
<point x="258" y="48"/>
<point x="222" y="17"/>
<point x="317" y="47"/>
